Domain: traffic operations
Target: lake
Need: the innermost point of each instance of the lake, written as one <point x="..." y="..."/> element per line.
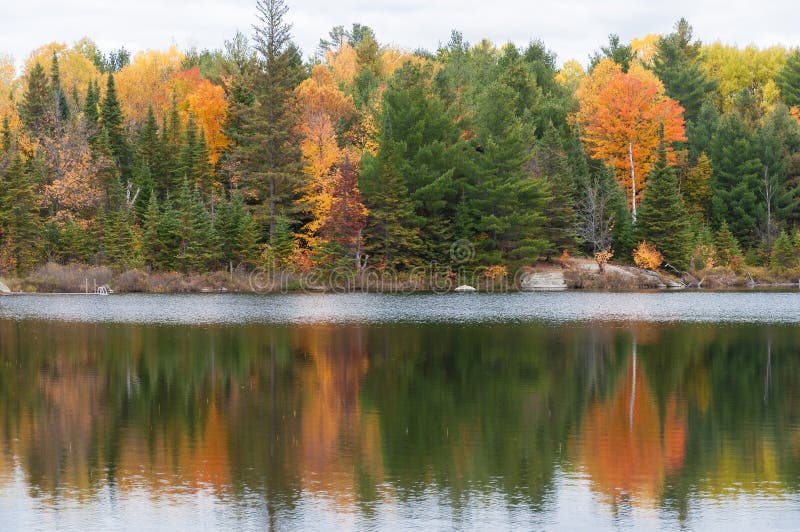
<point x="574" y="410"/>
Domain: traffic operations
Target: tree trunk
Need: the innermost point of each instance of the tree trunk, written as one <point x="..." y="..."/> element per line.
<point x="633" y="181"/>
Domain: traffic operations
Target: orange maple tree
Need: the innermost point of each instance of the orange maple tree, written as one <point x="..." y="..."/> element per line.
<point x="620" y="118"/>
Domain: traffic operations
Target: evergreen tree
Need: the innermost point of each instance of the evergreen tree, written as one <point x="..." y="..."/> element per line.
<point x="676" y="63"/>
<point x="152" y="247"/>
<point x="392" y="228"/>
<point x="35" y="106"/>
<point x="150" y="170"/>
<point x="283" y="244"/>
<point x="700" y="131"/>
<point x="620" y="53"/>
<point x="662" y="220"/>
<point x="20" y="226"/>
<point x="779" y="141"/>
<point x="550" y="162"/>
<point x="784" y="253"/>
<point x="697" y="188"/>
<point x="59" y="98"/>
<point x="112" y="122"/>
<point x="267" y="143"/>
<point x="737" y="180"/>
<point x="198" y="248"/>
<point x="727" y="246"/>
<point x="238" y="236"/>
<point x="789" y="79"/>
<point x="5" y="135"/>
<point x="91" y="106"/>
<point x="512" y="204"/>
<point x="118" y="239"/>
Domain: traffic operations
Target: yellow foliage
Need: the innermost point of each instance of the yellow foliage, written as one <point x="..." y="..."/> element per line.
<point x="145" y="82"/>
<point x="74" y="69"/>
<point x="344" y="64"/>
<point x="570" y="75"/>
<point x="737" y="69"/>
<point x="646" y="47"/>
<point x="647" y="256"/>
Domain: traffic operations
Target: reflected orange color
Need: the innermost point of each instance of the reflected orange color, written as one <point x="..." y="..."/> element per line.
<point x="336" y="436"/>
<point x="626" y="447"/>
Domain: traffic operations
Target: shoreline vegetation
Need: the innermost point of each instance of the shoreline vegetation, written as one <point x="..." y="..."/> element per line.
<point x="579" y="274"/>
<point x="355" y="166"/>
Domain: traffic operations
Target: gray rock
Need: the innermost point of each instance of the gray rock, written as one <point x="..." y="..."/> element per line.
<point x="465" y="288"/>
<point x="549" y="280"/>
<point x="4" y="289"/>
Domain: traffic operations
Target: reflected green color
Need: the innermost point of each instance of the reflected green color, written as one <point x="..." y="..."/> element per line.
<point x="433" y="425"/>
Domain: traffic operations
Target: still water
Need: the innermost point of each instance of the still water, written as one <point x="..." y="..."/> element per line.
<point x="519" y="411"/>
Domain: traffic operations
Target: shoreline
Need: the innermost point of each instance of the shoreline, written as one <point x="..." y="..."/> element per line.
<point x="542" y="277"/>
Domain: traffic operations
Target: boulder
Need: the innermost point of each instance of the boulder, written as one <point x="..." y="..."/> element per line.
<point x="465" y="288"/>
<point x="4" y="289"/>
<point x="548" y="280"/>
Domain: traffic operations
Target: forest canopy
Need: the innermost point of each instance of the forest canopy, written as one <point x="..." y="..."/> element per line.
<point x="367" y="155"/>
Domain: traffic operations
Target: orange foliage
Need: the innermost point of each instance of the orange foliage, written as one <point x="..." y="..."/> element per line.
<point x="647" y="256"/>
<point x="322" y="105"/>
<point x="626" y="446"/>
<point x="626" y="111"/>
<point x="207" y="103"/>
<point x="144" y="82"/>
<point x="602" y="257"/>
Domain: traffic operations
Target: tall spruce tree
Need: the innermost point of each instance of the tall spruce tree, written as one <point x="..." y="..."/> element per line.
<point x="267" y="145"/>
<point x="20" y="225"/>
<point x="112" y="122"/>
<point x="36" y="102"/>
<point x="662" y="220"/>
<point x="676" y="63"/>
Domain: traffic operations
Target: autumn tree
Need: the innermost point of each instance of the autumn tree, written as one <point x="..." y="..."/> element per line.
<point x="620" y="117"/>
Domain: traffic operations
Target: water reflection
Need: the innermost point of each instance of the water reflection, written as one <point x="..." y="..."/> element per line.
<point x="363" y="423"/>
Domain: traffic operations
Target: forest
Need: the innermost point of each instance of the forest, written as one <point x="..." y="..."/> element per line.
<point x="663" y="151"/>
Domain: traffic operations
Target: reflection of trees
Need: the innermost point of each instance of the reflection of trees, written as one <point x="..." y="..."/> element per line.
<point x="625" y="444"/>
<point x="358" y="414"/>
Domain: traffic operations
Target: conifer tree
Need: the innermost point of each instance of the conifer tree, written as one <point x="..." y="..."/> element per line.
<point x="736" y="180"/>
<point x="784" y="253"/>
<point x="36" y="102"/>
<point x="59" y="98"/>
<point x="550" y="162"/>
<point x="697" y="188"/>
<point x="676" y="63"/>
<point x="198" y="248"/>
<point x="727" y="246"/>
<point x="392" y="228"/>
<point x="789" y="79"/>
<point x="662" y="220"/>
<point x="267" y="145"/>
<point x="112" y="122"/>
<point x="149" y="162"/>
<point x="20" y="226"/>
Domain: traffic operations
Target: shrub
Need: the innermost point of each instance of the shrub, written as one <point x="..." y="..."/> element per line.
<point x="602" y="257"/>
<point x="647" y="256"/>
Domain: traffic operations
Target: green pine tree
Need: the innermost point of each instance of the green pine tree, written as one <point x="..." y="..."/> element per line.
<point x="20" y="225"/>
<point x="728" y="249"/>
<point x="784" y="253"/>
<point x="113" y="123"/>
<point x="662" y="219"/>
<point x="35" y="104"/>
<point x="736" y="183"/>
<point x="267" y="145"/>
<point x="789" y="79"/>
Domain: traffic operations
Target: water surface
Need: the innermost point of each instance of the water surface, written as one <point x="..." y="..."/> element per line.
<point x="525" y="411"/>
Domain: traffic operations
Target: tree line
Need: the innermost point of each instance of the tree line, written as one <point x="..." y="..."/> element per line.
<point x="365" y="155"/>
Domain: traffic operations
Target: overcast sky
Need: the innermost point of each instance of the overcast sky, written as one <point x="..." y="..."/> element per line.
<point x="571" y="28"/>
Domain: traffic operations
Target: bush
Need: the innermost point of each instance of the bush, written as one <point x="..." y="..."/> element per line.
<point x="647" y="256"/>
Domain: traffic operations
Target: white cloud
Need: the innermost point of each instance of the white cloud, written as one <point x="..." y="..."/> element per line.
<point x="571" y="28"/>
